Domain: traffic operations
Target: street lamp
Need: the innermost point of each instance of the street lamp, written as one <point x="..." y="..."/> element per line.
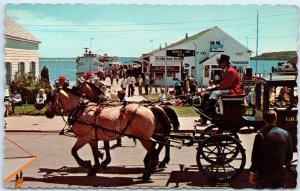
<point x="195" y="43"/>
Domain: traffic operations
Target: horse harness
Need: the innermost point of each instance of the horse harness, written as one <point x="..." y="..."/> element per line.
<point x="73" y="117"/>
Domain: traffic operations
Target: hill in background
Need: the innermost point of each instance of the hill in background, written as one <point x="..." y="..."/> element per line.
<point x="284" y="55"/>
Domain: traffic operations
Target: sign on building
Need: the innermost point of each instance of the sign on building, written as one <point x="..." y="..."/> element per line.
<point x="162" y="69"/>
<point x="180" y="53"/>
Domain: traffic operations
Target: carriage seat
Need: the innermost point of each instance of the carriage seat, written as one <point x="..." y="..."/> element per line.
<point x="231" y="108"/>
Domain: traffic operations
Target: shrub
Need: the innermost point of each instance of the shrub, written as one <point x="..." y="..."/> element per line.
<point x="28" y="87"/>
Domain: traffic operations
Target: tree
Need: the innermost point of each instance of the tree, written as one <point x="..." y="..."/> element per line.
<point x="45" y="74"/>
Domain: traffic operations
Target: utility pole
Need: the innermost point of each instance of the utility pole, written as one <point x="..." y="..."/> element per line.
<point x="166" y="61"/>
<point x="256" y="42"/>
<point x="196" y="68"/>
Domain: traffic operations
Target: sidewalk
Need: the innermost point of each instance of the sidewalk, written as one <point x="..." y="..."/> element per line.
<point x="28" y="123"/>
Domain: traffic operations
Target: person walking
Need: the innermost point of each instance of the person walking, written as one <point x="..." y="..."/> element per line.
<point x="140" y="83"/>
<point x="178" y="88"/>
<point x="131" y="85"/>
<point x="111" y="76"/>
<point x="124" y="83"/>
<point x="193" y="85"/>
<point x="146" y="83"/>
<point x="117" y="77"/>
<point x="272" y="149"/>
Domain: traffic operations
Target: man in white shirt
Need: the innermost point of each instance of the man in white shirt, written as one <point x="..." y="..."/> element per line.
<point x="131" y="85"/>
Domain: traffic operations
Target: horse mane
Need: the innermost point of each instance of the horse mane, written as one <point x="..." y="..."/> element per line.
<point x="95" y="87"/>
<point x="172" y="116"/>
<point x="73" y="91"/>
<point x="162" y="118"/>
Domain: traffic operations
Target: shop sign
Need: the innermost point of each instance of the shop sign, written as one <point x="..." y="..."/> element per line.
<point x="180" y="53"/>
<point x="162" y="69"/>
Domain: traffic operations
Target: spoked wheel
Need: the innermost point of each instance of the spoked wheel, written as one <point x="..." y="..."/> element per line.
<point x="215" y="130"/>
<point x="221" y="158"/>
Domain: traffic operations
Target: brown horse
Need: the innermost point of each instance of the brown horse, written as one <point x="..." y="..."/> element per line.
<point x="90" y="126"/>
<point x="93" y="92"/>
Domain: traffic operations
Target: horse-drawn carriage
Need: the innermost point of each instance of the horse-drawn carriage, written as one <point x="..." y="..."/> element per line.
<point x="220" y="154"/>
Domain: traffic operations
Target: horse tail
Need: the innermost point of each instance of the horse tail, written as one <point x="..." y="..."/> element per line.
<point x="162" y="117"/>
<point x="172" y="116"/>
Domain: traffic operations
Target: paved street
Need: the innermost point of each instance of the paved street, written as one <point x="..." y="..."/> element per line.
<point x="55" y="166"/>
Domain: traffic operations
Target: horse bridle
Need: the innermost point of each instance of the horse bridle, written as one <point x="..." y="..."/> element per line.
<point x="55" y="95"/>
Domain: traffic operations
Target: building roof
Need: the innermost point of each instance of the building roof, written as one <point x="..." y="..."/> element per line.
<point x="186" y="39"/>
<point x="16" y="31"/>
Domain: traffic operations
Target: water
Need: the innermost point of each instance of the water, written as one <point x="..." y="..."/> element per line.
<point x="67" y="67"/>
<point x="264" y="66"/>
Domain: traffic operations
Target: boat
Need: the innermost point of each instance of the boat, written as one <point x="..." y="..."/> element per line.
<point x="92" y="62"/>
<point x="88" y="62"/>
<point x="284" y="68"/>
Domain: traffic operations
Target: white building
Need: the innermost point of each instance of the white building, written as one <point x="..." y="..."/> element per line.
<point x="21" y="51"/>
<point x="208" y="45"/>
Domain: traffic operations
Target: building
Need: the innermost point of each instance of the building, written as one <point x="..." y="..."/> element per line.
<point x="21" y="51"/>
<point x="208" y="46"/>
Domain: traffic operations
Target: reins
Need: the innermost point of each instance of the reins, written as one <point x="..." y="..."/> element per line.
<point x="80" y="105"/>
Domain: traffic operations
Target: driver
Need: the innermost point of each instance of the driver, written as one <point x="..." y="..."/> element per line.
<point x="230" y="84"/>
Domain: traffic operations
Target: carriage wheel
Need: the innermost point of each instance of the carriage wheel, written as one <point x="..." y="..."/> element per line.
<point x="226" y="156"/>
<point x="214" y="130"/>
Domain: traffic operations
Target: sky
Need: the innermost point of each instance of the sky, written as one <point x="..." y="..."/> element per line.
<point x="131" y="29"/>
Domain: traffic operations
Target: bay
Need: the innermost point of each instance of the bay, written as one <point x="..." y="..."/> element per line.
<point x="66" y="67"/>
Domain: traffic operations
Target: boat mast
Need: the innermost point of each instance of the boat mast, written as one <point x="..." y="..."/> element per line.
<point x="91" y="53"/>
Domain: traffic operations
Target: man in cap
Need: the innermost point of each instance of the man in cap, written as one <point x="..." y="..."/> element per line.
<point x="88" y="75"/>
<point x="230" y="83"/>
<point x="61" y="82"/>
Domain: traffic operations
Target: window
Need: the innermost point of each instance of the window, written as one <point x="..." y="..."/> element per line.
<point x="21" y="68"/>
<point x="171" y="74"/>
<point x="8" y="72"/>
<point x="216" y="46"/>
<point x="282" y="96"/>
<point x="32" y="69"/>
<point x="206" y="71"/>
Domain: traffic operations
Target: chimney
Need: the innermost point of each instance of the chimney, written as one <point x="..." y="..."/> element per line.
<point x="186" y="35"/>
<point x="160" y="47"/>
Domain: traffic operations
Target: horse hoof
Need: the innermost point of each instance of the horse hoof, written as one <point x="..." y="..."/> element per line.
<point x="87" y="164"/>
<point x="105" y="163"/>
<point x="162" y="165"/>
<point x="146" y="177"/>
<point x="93" y="171"/>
